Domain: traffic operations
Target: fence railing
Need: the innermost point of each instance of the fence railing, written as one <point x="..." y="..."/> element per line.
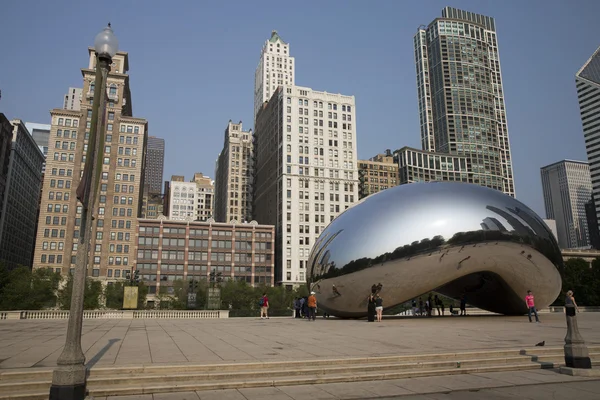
<point x="117" y="314"/>
<point x="196" y="314"/>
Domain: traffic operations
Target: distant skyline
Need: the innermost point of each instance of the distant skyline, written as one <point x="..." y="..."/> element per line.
<point x="192" y="68"/>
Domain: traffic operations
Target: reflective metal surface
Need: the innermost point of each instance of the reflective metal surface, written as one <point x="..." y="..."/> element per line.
<point x="452" y="238"/>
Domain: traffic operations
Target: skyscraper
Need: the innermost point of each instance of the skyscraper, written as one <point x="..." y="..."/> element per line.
<point x="41" y="136"/>
<point x="567" y="188"/>
<point x="113" y="240"/>
<point x="275" y="68"/>
<point x="461" y="101"/>
<point x="19" y="192"/>
<point x="587" y="81"/>
<point x="72" y="99"/>
<point x="305" y="171"/>
<point x="233" y="175"/>
<point x="155" y="160"/>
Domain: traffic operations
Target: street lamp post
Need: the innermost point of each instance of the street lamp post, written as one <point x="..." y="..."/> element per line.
<point x="69" y="377"/>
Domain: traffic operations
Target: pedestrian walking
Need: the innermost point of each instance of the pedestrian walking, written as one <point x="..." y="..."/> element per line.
<point x="529" y="300"/>
<point x="264" y="306"/>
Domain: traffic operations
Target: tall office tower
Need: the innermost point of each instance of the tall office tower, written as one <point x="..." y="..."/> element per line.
<point x="592" y="223"/>
<point x="72" y="99"/>
<point x="275" y="68"/>
<point x="461" y="101"/>
<point x="113" y="241"/>
<point x="41" y="136"/>
<point x="376" y="174"/>
<point x="21" y="161"/>
<point x="155" y="160"/>
<point x="205" y="195"/>
<point x="567" y="188"/>
<point x="305" y="171"/>
<point x="587" y="81"/>
<point x="233" y="176"/>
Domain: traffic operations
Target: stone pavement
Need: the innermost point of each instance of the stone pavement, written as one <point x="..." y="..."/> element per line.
<point x="38" y="343"/>
<point x="535" y="384"/>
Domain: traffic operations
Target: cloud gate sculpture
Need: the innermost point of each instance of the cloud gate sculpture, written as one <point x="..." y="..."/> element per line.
<point x="451" y="238"/>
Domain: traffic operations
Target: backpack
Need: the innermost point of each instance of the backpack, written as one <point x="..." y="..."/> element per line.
<point x="261" y="302"/>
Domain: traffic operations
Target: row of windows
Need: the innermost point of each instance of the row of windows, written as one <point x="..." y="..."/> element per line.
<point x="57" y="208"/>
<point x="68" y="122"/>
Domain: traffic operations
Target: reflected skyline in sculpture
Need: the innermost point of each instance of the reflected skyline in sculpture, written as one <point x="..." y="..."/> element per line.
<point x="450" y="237"/>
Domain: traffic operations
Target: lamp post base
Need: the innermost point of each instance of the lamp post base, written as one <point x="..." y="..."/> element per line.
<point x="578" y="362"/>
<point x="576" y="352"/>
<point x="70" y="392"/>
<point x="69" y="382"/>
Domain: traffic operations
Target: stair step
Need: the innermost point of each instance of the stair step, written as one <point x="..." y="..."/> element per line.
<point x="283" y="381"/>
<point x="31" y="374"/>
<point x="28" y="384"/>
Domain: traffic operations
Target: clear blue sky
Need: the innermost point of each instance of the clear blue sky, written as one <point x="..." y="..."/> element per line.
<point x="192" y="67"/>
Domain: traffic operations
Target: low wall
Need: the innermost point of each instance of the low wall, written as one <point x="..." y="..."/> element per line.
<point x="117" y="314"/>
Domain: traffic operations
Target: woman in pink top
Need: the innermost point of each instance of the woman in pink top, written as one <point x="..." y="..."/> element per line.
<point x="531" y="306"/>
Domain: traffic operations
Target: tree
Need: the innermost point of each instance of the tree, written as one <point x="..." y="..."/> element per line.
<point x="142" y="294"/>
<point x="113" y="295"/>
<point x="91" y="298"/>
<point x="582" y="280"/>
<point x="23" y="289"/>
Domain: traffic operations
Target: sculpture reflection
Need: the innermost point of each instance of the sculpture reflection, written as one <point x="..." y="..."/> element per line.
<point x="452" y="238"/>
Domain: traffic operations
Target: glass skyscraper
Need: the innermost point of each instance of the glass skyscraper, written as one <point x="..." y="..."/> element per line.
<point x="587" y="81"/>
<point x="461" y="101"/>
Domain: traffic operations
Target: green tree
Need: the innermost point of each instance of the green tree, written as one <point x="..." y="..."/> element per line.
<point x="582" y="280"/>
<point x="113" y="295"/>
<point x="142" y="294"/>
<point x="23" y="289"/>
<point x="91" y="298"/>
<point x="173" y="297"/>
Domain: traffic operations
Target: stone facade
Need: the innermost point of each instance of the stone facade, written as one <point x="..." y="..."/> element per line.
<point x="119" y="198"/>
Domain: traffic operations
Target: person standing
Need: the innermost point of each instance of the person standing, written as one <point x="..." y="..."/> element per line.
<point x="429" y="305"/>
<point x="297" y="307"/>
<point x="379" y="307"/>
<point x="312" y="306"/>
<point x="414" y="307"/>
<point x="264" y="306"/>
<point x="529" y="300"/>
<point x="420" y="306"/>
<point x="463" y="305"/>
<point x="371" y="308"/>
<point x="570" y="301"/>
<point x="437" y="301"/>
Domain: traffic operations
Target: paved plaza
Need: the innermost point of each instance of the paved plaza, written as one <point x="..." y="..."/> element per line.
<point x="38" y="343"/>
<point x="524" y="385"/>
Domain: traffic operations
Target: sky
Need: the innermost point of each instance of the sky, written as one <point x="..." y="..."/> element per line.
<point x="192" y="67"/>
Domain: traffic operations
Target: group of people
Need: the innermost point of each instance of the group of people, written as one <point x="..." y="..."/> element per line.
<point x="434" y="302"/>
<point x="306" y="307"/>
<point x="374" y="307"/>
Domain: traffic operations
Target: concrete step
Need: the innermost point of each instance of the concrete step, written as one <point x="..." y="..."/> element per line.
<point x="34" y="374"/>
<point x="156" y="379"/>
<point x="161" y="387"/>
